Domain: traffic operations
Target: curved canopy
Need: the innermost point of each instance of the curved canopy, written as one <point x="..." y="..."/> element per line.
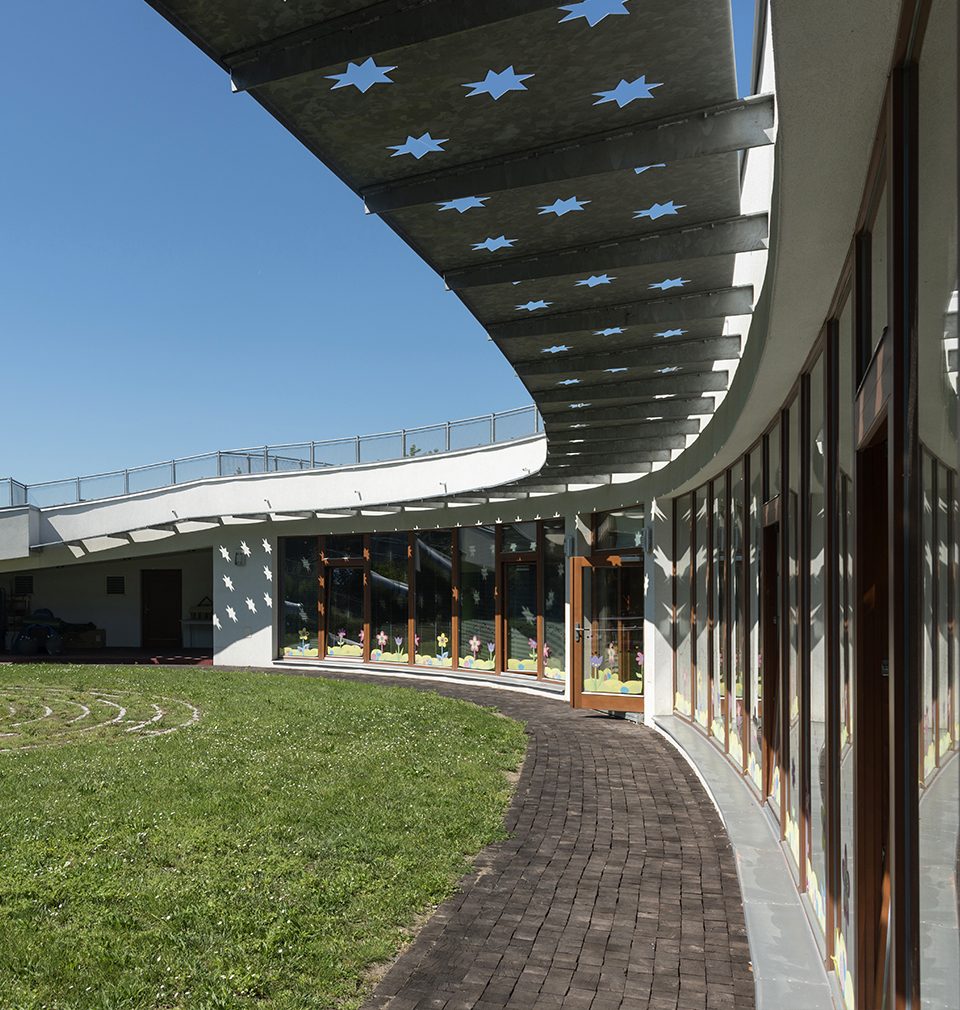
<point x="572" y="170"/>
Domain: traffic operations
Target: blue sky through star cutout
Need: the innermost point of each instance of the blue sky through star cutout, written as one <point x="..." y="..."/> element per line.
<point x="532" y="306"/>
<point x="627" y="91"/>
<point x="464" y="203"/>
<point x="610" y="331"/>
<point x="556" y="349"/>
<point x="561" y="207"/>
<point x="595" y="280"/>
<point x="658" y="210"/>
<point x="493" y="244"/>
<point x="670" y="333"/>
<point x="670" y="282"/>
<point x="594" y="11"/>
<point x="646" y="168"/>
<point x="417" y="146"/>
<point x="496" y="85"/>
<point x="362" y="76"/>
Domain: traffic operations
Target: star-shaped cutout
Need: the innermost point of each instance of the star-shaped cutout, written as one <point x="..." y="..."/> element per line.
<point x="646" y="168"/>
<point x="578" y="406"/>
<point x="613" y="371"/>
<point x="610" y="331"/>
<point x="245" y="550"/>
<point x="668" y="370"/>
<point x="658" y="210"/>
<point x="216" y="622"/>
<point x="232" y="614"/>
<point x="669" y="282"/>
<point x="463" y="203"/>
<point x="568" y="382"/>
<point x="533" y="306"/>
<point x="670" y="333"/>
<point x="595" y="280"/>
<point x="251" y="606"/>
<point x="594" y="11"/>
<point x="627" y="91"/>
<point x="561" y="207"/>
<point x="496" y="85"/>
<point x="228" y="582"/>
<point x="268" y="599"/>
<point x="418" y="146"/>
<point x="556" y="349"/>
<point x="266" y="547"/>
<point x="493" y="244"/>
<point x="362" y="76"/>
<point x="267" y="574"/>
<point x="225" y="554"/>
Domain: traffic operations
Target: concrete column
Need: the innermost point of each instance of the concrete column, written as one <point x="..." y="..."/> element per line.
<point x="244" y="597"/>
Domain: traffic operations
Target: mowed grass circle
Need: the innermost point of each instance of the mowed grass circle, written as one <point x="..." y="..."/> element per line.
<point x="266" y="854"/>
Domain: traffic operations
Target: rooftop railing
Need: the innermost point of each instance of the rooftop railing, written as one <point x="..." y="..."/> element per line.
<point x="406" y="443"/>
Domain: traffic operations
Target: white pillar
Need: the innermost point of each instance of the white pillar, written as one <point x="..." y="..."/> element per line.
<point x="658" y="614"/>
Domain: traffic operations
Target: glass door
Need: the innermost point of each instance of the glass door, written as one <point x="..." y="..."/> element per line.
<point x="345" y="612"/>
<point x="520" y="638"/>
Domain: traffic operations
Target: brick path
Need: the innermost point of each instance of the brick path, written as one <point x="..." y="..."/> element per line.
<point x="616" y="890"/>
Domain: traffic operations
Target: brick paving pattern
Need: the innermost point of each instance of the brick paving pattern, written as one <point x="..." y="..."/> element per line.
<point x="616" y="890"/>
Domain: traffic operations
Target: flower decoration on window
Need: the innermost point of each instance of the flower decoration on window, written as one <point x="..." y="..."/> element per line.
<point x="341" y="636"/>
<point x="399" y="640"/>
<point x="475" y="646"/>
<point x="442" y="642"/>
<point x="491" y="648"/>
<point x="382" y="639"/>
<point x="546" y="651"/>
<point x="532" y="646"/>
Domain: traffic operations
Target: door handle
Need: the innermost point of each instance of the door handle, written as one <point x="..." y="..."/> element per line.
<point x="578" y="633"/>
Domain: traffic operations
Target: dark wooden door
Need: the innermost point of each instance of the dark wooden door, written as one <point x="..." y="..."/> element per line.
<point x="161" y="608"/>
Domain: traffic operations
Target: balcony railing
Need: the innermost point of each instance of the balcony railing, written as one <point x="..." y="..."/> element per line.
<point x="407" y="443"/>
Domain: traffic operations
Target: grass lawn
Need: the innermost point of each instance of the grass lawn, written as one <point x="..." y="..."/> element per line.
<point x="264" y="853"/>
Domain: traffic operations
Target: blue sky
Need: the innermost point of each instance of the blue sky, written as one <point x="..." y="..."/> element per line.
<point x="177" y="274"/>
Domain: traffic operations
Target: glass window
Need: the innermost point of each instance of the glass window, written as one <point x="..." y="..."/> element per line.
<point x="518" y="538"/>
<point x="433" y="599"/>
<point x="738" y="630"/>
<point x="300" y="597"/>
<point x="343" y="547"/>
<point x="719" y="615"/>
<point x="773" y="463"/>
<point x="792" y="827"/>
<point x="477" y="598"/>
<point x="345" y="611"/>
<point x="389" y="598"/>
<point x="878" y="271"/>
<point x="616" y="631"/>
<point x="554" y="600"/>
<point x="683" y="511"/>
<point x="755" y="755"/>
<point x="621" y="530"/>
<point x="928" y="744"/>
<point x="702" y="685"/>
<point x="817" y="772"/>
<point x="520" y="610"/>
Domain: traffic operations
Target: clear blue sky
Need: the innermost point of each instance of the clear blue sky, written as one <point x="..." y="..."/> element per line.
<point x="177" y="274"/>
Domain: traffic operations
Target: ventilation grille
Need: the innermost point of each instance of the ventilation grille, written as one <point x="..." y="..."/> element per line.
<point x="116" y="585"/>
<point x="23" y="585"/>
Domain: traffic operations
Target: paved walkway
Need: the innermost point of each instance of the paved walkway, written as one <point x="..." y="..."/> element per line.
<point x="616" y="890"/>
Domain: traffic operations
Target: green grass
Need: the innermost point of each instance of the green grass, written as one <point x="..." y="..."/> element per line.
<point x="265" y="855"/>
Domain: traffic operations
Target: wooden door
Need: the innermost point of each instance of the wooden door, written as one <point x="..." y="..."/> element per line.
<point x="161" y="608"/>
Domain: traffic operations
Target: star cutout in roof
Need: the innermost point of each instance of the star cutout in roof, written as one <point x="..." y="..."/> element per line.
<point x="658" y="210"/>
<point x="613" y="371"/>
<point x="670" y="333"/>
<point x="493" y="244"/>
<point x="646" y="168"/>
<point x="362" y="76"/>
<point x="670" y="282"/>
<point x="568" y="382"/>
<point x="561" y="207"/>
<point x="668" y="370"/>
<point x="556" y="349"/>
<point x="627" y="91"/>
<point x="464" y="203"/>
<point x="594" y="281"/>
<point x="594" y="11"/>
<point x="496" y="85"/>
<point x="418" y="146"/>
<point x="579" y="406"/>
<point x="533" y="306"/>
<point x="610" y="331"/>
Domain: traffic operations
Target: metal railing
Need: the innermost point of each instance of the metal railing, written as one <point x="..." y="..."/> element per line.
<point x="406" y="443"/>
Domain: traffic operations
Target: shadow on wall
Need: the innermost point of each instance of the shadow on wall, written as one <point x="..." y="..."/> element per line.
<point x="243" y="596"/>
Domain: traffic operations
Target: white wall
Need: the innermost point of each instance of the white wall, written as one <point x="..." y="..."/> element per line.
<point x="78" y="593"/>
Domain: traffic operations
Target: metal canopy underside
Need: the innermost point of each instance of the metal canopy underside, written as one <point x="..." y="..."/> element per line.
<point x="571" y="169"/>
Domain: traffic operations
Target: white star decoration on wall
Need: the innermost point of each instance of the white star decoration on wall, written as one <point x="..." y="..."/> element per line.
<point x="670" y="282"/>
<point x="496" y="85"/>
<point x="658" y="210"/>
<point x="594" y="11"/>
<point x="493" y="244"/>
<point x="232" y="614"/>
<point x="627" y="91"/>
<point x="594" y="281"/>
<point x="610" y="331"/>
<point x="418" y="147"/>
<point x="245" y="550"/>
<point x="225" y="554"/>
<point x="268" y="599"/>
<point x="267" y="549"/>
<point x="267" y="574"/>
<point x="533" y="306"/>
<point x="251" y="606"/>
<point x="362" y="76"/>
<point x="216" y="622"/>
<point x="561" y="207"/>
<point x="464" y="203"/>
<point x="228" y="582"/>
